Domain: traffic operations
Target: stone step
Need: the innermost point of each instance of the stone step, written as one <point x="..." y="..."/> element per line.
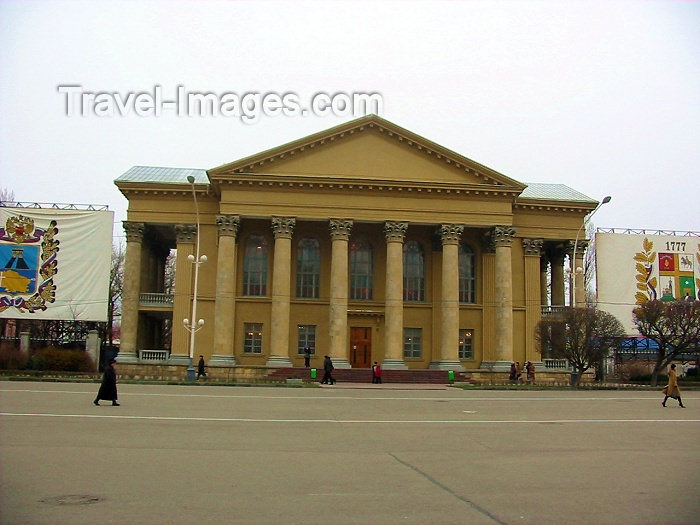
<point x="364" y="375"/>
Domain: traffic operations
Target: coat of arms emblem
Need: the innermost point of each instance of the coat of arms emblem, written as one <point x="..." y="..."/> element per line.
<point x="28" y="263"/>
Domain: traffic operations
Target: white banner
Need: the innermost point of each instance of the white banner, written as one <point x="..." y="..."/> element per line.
<point x="55" y="264"/>
<point x="634" y="268"/>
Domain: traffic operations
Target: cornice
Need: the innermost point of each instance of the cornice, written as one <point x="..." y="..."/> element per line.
<point x="291" y="181"/>
<point x="172" y="190"/>
<point x="558" y="206"/>
<point x="372" y="123"/>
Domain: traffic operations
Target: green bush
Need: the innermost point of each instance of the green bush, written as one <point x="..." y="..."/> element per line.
<point x="12" y="359"/>
<point x="60" y="360"/>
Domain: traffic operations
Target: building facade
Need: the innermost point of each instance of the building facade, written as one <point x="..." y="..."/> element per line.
<point x="365" y="242"/>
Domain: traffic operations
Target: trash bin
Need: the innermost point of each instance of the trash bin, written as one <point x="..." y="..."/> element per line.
<point x="313" y="373"/>
<point x="450" y="375"/>
<point x="574" y="377"/>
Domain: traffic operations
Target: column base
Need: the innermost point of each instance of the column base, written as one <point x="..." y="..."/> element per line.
<point x="179" y="359"/>
<point x="394" y="364"/>
<point x="496" y="366"/>
<point x="127" y="358"/>
<point x="446" y="365"/>
<point x="278" y="361"/>
<point x="222" y="360"/>
<point x="340" y="362"/>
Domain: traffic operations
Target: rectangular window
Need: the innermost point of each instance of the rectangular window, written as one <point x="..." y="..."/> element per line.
<point x="306" y="337"/>
<point x="412" y="343"/>
<point x="466" y="349"/>
<point x="252" y="342"/>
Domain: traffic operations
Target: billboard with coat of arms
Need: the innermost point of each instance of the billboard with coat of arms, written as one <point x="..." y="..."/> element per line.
<point x="633" y="268"/>
<point x="55" y="264"/>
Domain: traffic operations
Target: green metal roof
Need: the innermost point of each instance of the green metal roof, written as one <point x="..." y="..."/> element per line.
<point x="163" y="175"/>
<point x="553" y="192"/>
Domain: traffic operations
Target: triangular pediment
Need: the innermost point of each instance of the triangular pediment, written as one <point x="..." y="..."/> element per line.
<point x="367" y="149"/>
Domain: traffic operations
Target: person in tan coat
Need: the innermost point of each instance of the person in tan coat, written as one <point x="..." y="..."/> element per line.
<point x="671" y="390"/>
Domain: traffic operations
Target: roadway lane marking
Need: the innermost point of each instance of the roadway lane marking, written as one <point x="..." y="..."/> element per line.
<point x="349" y="421"/>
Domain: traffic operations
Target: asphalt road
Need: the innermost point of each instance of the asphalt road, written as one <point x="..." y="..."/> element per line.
<point x="260" y="455"/>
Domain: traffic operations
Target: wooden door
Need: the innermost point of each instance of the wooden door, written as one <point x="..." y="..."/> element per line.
<point x="360" y="347"/>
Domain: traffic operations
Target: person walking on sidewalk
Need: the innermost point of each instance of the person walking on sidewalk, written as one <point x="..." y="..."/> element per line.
<point x="327" y="371"/>
<point x="108" y="388"/>
<point x="672" y="390"/>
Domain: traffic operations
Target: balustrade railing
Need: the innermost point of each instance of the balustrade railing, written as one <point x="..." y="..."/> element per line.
<point x="552" y="310"/>
<point x="156" y="299"/>
<point x="153" y="355"/>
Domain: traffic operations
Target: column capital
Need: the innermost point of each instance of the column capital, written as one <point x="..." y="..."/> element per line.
<point x="340" y="229"/>
<point x="228" y="225"/>
<point x="498" y="236"/>
<point x="186" y="233"/>
<point x="580" y="247"/>
<point x="533" y="246"/>
<point x="134" y="231"/>
<point x="395" y="231"/>
<point x="450" y="233"/>
<point x="283" y="227"/>
<point x="503" y="235"/>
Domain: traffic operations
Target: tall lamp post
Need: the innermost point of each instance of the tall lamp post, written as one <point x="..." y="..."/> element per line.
<point x="194" y="326"/>
<point x="586" y="219"/>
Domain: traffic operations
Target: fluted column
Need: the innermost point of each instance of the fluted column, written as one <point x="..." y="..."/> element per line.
<point x="393" y="309"/>
<point x="577" y="289"/>
<point x="532" y="250"/>
<point x="224" y="308"/>
<point x="130" y="291"/>
<point x="338" y="319"/>
<point x="556" y="258"/>
<point x="450" y="235"/>
<point x="283" y="227"/>
<point x="544" y="289"/>
<point x="501" y="238"/>
<point x="488" y="264"/>
<point x="186" y="235"/>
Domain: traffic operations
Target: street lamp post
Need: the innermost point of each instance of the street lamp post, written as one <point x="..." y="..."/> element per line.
<point x="587" y="218"/>
<point x="194" y="326"/>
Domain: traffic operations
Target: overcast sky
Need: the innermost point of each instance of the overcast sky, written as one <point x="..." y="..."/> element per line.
<point x="601" y="96"/>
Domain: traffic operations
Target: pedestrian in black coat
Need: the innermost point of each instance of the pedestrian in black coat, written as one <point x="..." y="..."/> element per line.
<point x="108" y="388"/>
<point x="200" y="367"/>
<point x="307" y="356"/>
<point x="327" y="369"/>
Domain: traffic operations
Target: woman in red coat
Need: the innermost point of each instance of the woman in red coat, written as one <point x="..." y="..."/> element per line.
<point x="671" y="390"/>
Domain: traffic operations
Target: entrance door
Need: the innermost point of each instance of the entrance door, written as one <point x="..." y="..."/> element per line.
<point x="360" y="347"/>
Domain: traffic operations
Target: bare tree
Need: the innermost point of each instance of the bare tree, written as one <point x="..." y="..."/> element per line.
<point x="116" y="284"/>
<point x="583" y="336"/>
<point x="674" y="326"/>
<point x="7" y="195"/>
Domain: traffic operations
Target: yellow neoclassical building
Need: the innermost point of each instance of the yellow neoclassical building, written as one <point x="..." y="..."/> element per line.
<point x="365" y="242"/>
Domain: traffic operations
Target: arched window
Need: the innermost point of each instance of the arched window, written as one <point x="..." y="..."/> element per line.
<point x="467" y="274"/>
<point x="308" y="268"/>
<point x="255" y="266"/>
<point x="413" y="272"/>
<point x="361" y="271"/>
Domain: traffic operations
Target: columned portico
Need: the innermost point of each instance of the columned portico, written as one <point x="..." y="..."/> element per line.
<point x="393" y="330"/>
<point x="367" y="179"/>
<point x="224" y="308"/>
<point x="186" y="235"/>
<point x="282" y="227"/>
<point x="450" y="235"/>
<point x="131" y="290"/>
<point x="338" y="322"/>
